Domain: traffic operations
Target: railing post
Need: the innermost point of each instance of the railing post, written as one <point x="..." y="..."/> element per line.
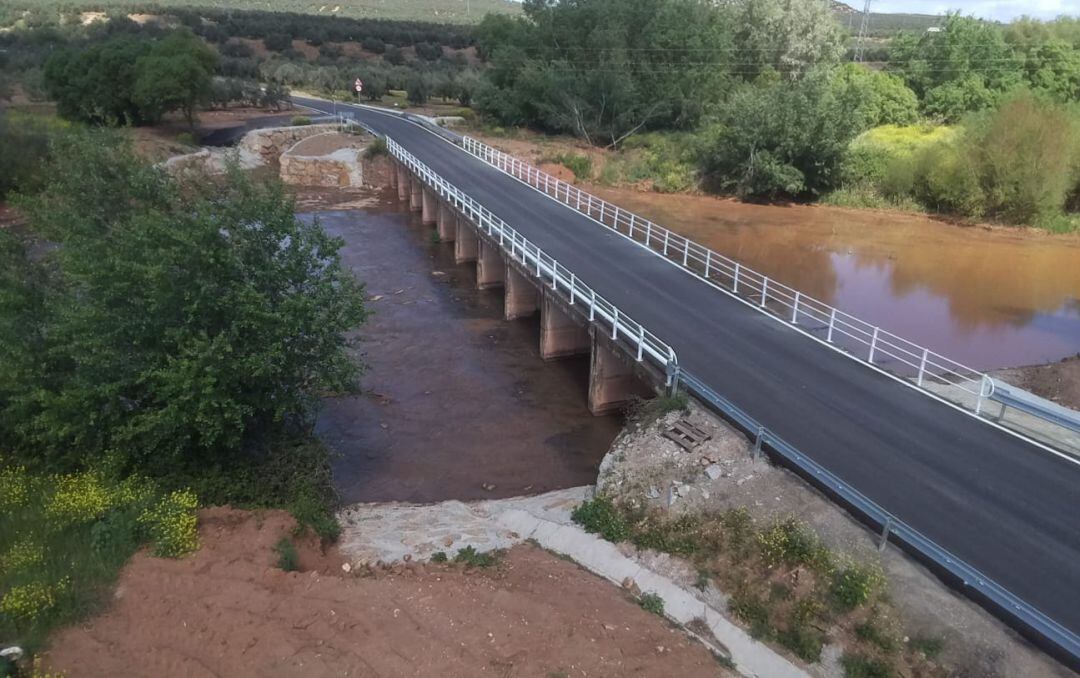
<point x="631" y="233"/>
<point x="873" y="345"/>
<point x="885" y="529"/>
<point x="667" y="237"/>
<point x="592" y="305"/>
<point x="573" y="284"/>
<point x="758" y="440"/>
<point x="601" y="219"/>
<point x="764" y="290"/>
<point x="708" y="261"/>
<point x="735" y="286"/>
<point x="640" y="342"/>
<point x="795" y="310"/>
<point x="979" y="400"/>
<point x="673" y="371"/>
<point x="686" y="251"/>
<point x="615" y="222"/>
<point x="588" y="205"/>
<point x="832" y="323"/>
<point x="648" y="233"/>
<point x="578" y="208"/>
<point x="615" y="324"/>
<point x="922" y="365"/>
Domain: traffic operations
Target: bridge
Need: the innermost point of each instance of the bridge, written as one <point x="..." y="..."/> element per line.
<point x="994" y="512"/>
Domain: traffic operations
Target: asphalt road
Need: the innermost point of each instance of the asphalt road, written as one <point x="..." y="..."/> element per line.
<point x="1006" y="507"/>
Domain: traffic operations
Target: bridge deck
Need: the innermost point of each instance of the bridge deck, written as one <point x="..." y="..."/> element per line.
<point x="1004" y="506"/>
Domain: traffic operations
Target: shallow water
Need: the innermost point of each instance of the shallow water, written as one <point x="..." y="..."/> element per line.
<point x="988" y="298"/>
<point x="455" y="397"/>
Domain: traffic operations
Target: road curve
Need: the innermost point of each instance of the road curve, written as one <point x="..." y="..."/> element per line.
<point x="1004" y="506"/>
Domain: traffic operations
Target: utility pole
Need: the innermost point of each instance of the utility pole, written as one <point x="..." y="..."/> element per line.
<point x="860" y="47"/>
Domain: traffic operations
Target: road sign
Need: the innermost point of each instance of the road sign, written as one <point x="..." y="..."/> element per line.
<point x="359" y="85"/>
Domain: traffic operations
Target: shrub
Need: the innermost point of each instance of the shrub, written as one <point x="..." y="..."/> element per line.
<point x="300" y="120"/>
<point x="27" y="603"/>
<point x="853" y="584"/>
<point x="931" y="646"/>
<point x="857" y="665"/>
<point x="600" y="516"/>
<point x="652" y="602"/>
<point x="172" y="524"/>
<point x="793" y="543"/>
<point x="945" y="181"/>
<point x="439" y="557"/>
<point x="288" y="558"/>
<point x="470" y="557"/>
<point x="580" y="165"/>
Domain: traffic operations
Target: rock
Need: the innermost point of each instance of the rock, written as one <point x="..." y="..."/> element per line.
<point x="488" y="487"/>
<point x="447" y="540"/>
<point x="740" y="481"/>
<point x="714" y="471"/>
<point x="672" y="496"/>
<point x="408" y="557"/>
<point x="12" y="654"/>
<point x="705" y="494"/>
<point x="345" y="567"/>
<point x="652" y="492"/>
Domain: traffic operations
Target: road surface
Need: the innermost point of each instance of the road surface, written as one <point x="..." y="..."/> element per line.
<point x="1002" y="505"/>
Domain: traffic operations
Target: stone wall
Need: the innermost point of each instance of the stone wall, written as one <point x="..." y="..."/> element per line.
<point x="272" y="142"/>
<point x="338" y="169"/>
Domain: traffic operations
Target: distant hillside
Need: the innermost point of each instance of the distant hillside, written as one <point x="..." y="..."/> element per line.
<point x="436" y="11"/>
<point x="882" y="25"/>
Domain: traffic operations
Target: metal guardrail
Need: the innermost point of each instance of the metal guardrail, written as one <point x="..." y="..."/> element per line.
<point x="891" y="526"/>
<point x="643" y="343"/>
<point x="861" y="340"/>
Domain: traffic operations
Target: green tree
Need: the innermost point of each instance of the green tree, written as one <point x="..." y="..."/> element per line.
<point x="97" y="84"/>
<point x="785" y="140"/>
<point x="789" y="37"/>
<point x="176" y="73"/>
<point x="882" y="98"/>
<point x="418" y="89"/>
<point x="174" y="325"/>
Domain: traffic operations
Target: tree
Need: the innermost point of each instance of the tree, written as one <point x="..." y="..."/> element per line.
<point x="785" y="140"/>
<point x="789" y="37"/>
<point x="175" y="74"/>
<point x="174" y="325"/>
<point x="882" y="98"/>
<point x="97" y="84"/>
<point x="418" y="89"/>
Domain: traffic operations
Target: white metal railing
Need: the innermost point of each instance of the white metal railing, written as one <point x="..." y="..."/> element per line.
<point x="642" y="342"/>
<point x="861" y="340"/>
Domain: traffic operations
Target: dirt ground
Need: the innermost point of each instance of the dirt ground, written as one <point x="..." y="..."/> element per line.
<point x="1059" y="382"/>
<point x="227" y="610"/>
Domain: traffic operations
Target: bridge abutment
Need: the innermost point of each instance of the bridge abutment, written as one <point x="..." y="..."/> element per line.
<point x="429" y="207"/>
<point x="447" y="223"/>
<point x="522" y="298"/>
<point x="489" y="266"/>
<point x="467" y="244"/>
<point x="560" y="333"/>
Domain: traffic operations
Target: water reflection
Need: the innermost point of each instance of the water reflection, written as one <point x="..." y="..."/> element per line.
<point x="988" y="298"/>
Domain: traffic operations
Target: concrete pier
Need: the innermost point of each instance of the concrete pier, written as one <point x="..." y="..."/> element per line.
<point x="429" y="207"/>
<point x="416" y="190"/>
<point x="402" y="175"/>
<point x="612" y="383"/>
<point x="447" y="223"/>
<point x="489" y="267"/>
<point x="560" y="334"/>
<point x="466" y="243"/>
<point x="522" y="298"/>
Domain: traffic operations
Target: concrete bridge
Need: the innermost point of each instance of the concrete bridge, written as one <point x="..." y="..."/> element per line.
<point x="991" y="511"/>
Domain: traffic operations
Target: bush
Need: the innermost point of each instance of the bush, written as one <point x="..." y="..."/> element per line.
<point x="580" y="165"/>
<point x="299" y="120"/>
<point x="857" y="665"/>
<point x="854" y="584"/>
<point x="288" y="559"/>
<point x="651" y="602"/>
<point x="793" y="543"/>
<point x="600" y="516"/>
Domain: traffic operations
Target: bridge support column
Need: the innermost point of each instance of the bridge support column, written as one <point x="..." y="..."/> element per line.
<point x="612" y="383"/>
<point x="521" y="299"/>
<point x="430" y="207"/>
<point x="560" y="335"/>
<point x="489" y="267"/>
<point x="467" y="243"/>
<point x="416" y="191"/>
<point x="447" y="223"/>
<point x="402" y="178"/>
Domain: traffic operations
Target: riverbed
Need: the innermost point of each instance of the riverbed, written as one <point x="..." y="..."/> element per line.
<point x="456" y="403"/>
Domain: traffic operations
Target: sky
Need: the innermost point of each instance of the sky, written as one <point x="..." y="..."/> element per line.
<point x="1000" y="10"/>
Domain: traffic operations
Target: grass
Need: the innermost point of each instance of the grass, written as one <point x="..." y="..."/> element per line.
<point x="857" y="665"/>
<point x="786" y="586"/>
<point x="64" y="538"/>
<point x="288" y="558"/>
<point x="580" y="165"/>
<point x="470" y="557"/>
<point x="930" y="646"/>
<point x="648" y="410"/>
<point x="651" y="602"/>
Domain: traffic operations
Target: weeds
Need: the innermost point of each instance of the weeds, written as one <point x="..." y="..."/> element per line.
<point x="288" y="558"/>
<point x="857" y="665"/>
<point x="439" y="557"/>
<point x="470" y="557"/>
<point x="434" y="238"/>
<point x="651" y="602"/>
<point x="854" y="584"/>
<point x="929" y="646"/>
<point x="375" y="149"/>
<point x="600" y="516"/>
<point x="872" y="632"/>
<point x="580" y="165"/>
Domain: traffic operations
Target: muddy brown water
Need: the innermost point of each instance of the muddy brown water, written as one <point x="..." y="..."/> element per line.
<point x="988" y="298"/>
<point x="454" y="397"/>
